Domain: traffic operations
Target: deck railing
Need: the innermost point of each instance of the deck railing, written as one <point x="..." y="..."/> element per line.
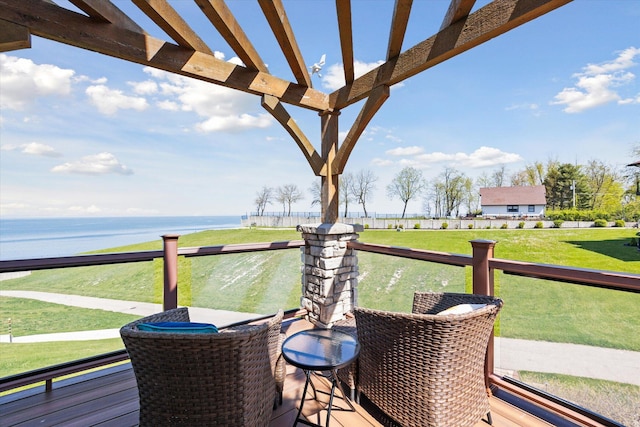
<point x="482" y="262"/>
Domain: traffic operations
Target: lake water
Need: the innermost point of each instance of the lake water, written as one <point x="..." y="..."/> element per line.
<point x="54" y="237"/>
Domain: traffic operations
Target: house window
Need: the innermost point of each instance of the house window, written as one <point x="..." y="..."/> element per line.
<point x="512" y="208"/>
<point x="532" y="208"/>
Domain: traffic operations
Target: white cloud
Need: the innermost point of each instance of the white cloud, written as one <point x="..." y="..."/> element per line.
<point x="223" y="109"/>
<point x="168" y="105"/>
<point x="480" y="158"/>
<point x="23" y="81"/>
<point x="381" y="162"/>
<point x="406" y="151"/>
<point x="33" y="148"/>
<point x="333" y="77"/>
<point x="147" y="87"/>
<point x="598" y="84"/>
<point x="109" y="101"/>
<point x="98" y="164"/>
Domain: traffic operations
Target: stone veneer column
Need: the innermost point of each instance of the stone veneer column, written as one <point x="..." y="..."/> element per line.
<point x="330" y="272"/>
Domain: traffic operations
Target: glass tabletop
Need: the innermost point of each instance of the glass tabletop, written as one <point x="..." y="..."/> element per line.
<point x="320" y="349"/>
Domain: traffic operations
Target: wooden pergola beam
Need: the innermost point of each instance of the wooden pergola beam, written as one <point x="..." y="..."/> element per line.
<point x="13" y="36"/>
<point x="458" y="9"/>
<point x="343" y="9"/>
<point x="53" y="22"/>
<point x="492" y="20"/>
<point x="277" y="110"/>
<point x="401" y="12"/>
<point x="226" y="24"/>
<point x="378" y="96"/>
<point x="277" y="18"/>
<point x="107" y="12"/>
<point x="165" y="17"/>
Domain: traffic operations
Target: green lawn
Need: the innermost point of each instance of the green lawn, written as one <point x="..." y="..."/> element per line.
<point x="264" y="281"/>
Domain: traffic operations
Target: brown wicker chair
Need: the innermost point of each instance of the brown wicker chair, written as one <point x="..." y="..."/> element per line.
<point x="424" y="369"/>
<point x="278" y="364"/>
<point x="222" y="379"/>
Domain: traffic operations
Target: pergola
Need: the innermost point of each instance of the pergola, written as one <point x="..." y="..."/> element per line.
<point x="100" y="26"/>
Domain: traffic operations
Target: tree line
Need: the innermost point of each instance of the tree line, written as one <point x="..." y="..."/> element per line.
<point x="572" y="190"/>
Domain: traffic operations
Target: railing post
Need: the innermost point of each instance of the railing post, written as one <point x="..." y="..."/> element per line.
<point x="483" y="285"/>
<point x="482" y="276"/>
<point x="170" y="293"/>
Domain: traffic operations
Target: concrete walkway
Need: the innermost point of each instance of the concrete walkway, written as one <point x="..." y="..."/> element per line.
<point x="510" y="354"/>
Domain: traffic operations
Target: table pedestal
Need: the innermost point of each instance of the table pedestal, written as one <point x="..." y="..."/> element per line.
<point x="335" y="382"/>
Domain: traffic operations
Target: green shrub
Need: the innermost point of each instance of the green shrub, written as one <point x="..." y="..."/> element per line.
<point x="416" y="226"/>
<point x="366" y="226"/>
<point x="400" y="226"/>
<point x="538" y="225"/>
<point x="600" y="222"/>
<point x="390" y="226"/>
<point x="470" y="226"/>
<point x="619" y="223"/>
<point x="444" y="226"/>
<point x="488" y="227"/>
<point x="521" y="224"/>
<point x="557" y="223"/>
<point x="504" y="226"/>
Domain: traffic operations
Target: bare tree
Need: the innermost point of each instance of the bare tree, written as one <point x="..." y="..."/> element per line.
<point x="533" y="174"/>
<point x="406" y="185"/>
<point x="345" y="182"/>
<point x="498" y="176"/>
<point x="471" y="196"/>
<point x="263" y="198"/>
<point x="452" y="184"/>
<point x="287" y="195"/>
<point x="361" y="187"/>
<point x="315" y="193"/>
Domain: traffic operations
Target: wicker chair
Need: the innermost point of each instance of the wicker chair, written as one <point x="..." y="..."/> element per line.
<point x="424" y="369"/>
<point x="222" y="379"/>
<point x="278" y="364"/>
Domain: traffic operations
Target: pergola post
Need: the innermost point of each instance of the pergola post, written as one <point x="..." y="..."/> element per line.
<point x="329" y="197"/>
<point x="170" y="247"/>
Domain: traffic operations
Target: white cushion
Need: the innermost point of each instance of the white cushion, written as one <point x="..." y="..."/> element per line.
<point x="461" y="309"/>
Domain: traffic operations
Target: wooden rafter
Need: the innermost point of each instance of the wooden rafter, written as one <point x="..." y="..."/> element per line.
<point x="165" y="17"/>
<point x="399" y="24"/>
<point x="226" y="24"/>
<point x="105" y="11"/>
<point x="277" y="110"/>
<point x="494" y="19"/>
<point x="59" y="24"/>
<point x="281" y="28"/>
<point x="378" y="96"/>
<point x="343" y="8"/>
<point x="458" y="9"/>
<point x="13" y="36"/>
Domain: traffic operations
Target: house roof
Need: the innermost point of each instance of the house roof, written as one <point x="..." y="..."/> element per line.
<point x="524" y="195"/>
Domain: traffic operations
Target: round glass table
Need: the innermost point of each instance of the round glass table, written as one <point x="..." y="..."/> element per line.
<point x="321" y="350"/>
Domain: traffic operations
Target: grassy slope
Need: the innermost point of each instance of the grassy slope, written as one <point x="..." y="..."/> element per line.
<point x="534" y="309"/>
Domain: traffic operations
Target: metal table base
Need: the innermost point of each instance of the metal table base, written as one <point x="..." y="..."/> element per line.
<point x="335" y="382"/>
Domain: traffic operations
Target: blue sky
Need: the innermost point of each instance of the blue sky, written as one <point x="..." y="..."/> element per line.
<point x="83" y="134"/>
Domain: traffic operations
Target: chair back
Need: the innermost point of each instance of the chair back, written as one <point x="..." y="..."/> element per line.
<point x="222" y="379"/>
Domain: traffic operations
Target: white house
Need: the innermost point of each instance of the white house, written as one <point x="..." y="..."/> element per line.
<point x="513" y="201"/>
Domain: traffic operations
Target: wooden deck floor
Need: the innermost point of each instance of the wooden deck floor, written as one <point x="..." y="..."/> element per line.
<point x="109" y="397"/>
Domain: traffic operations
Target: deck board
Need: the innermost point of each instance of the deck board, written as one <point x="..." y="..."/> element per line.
<point x="108" y="398"/>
